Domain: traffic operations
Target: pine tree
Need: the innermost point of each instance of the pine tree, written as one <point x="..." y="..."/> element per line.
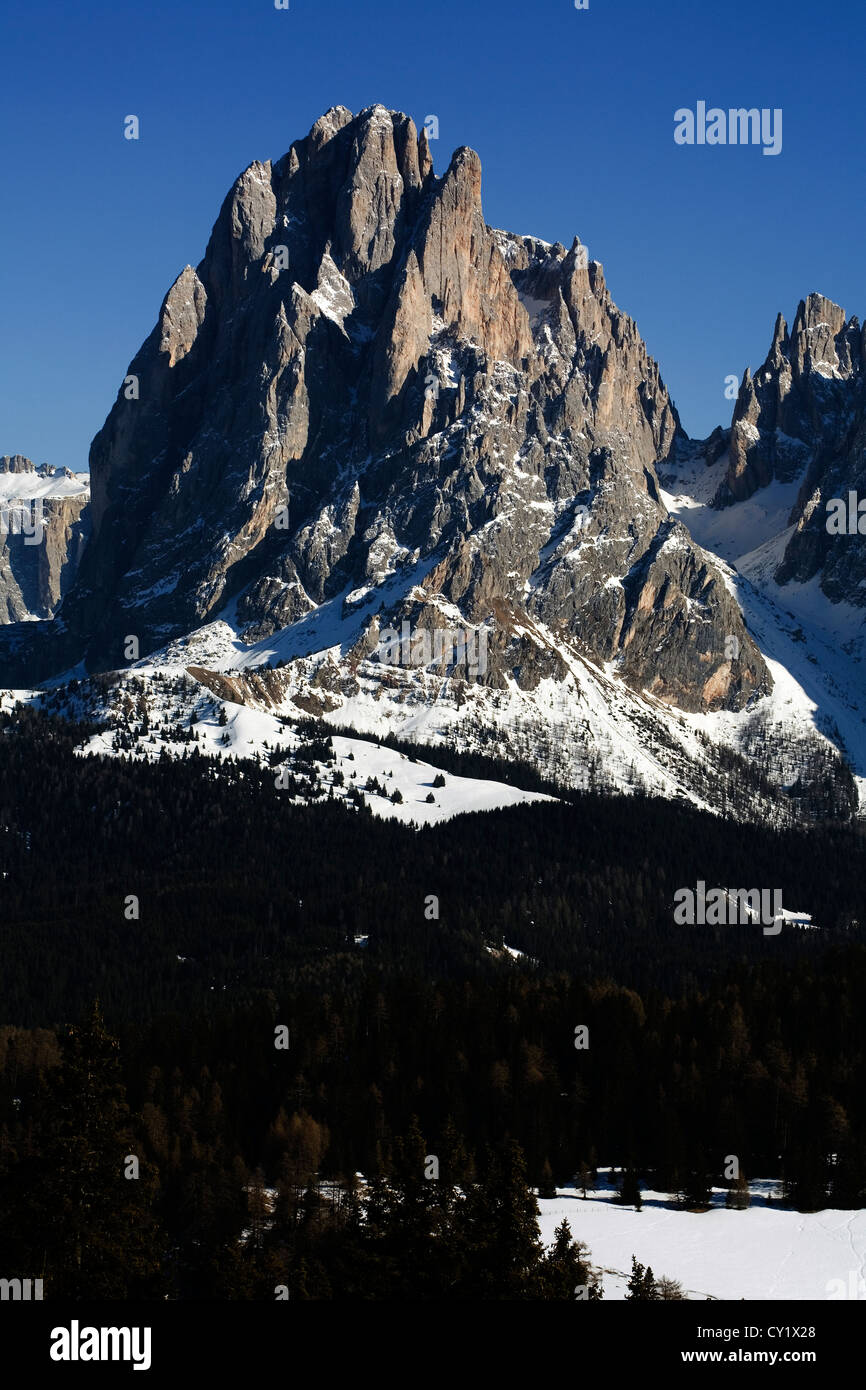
<point x="566" y="1272"/>
<point x="457" y="1163"/>
<point x="806" y="1176"/>
<point x="641" y="1285"/>
<point x="695" y="1190"/>
<point x="547" y="1187"/>
<point x="585" y="1179"/>
<point x="81" y="1223"/>
<point x="499" y="1219"/>
<point x="629" y="1193"/>
<point x="738" y="1197"/>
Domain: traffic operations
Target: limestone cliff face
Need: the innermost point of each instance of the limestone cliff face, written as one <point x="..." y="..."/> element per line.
<point x="44" y="524"/>
<point x="362" y="376"/>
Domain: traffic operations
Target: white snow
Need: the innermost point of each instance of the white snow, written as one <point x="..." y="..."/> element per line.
<point x="732" y="532"/>
<point x="415" y="783"/>
<point x="248" y="730"/>
<point x="27" y="486"/>
<point x="765" y="1252"/>
<point x="814" y="648"/>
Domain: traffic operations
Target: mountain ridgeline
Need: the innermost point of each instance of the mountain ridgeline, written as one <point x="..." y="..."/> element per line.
<point x="366" y="402"/>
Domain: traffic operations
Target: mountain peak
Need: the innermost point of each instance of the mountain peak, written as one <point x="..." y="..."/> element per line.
<point x="326" y="127"/>
<point x="362" y="379"/>
<point x="783" y="413"/>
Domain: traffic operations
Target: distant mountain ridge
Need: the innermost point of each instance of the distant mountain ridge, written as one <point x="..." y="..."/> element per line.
<point x="44" y="526"/>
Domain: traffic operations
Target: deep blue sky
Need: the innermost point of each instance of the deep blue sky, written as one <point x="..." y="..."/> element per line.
<point x="571" y="113"/>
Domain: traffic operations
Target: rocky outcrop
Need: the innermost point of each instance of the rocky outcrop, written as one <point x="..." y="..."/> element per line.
<point x="16" y="463"/>
<point x="795" y="404"/>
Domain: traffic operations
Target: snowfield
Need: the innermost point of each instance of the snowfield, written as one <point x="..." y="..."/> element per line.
<point x="415" y="783"/>
<point x="251" y="733"/>
<point x="766" y="1252"/>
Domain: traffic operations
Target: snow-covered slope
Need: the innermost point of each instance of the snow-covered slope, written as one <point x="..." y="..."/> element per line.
<point x="766" y="1252"/>
<point x="580" y="724"/>
<point x="752" y="536"/>
<point x="266" y="738"/>
<point x="43" y="483"/>
<point x="584" y="728"/>
<point x="815" y="648"/>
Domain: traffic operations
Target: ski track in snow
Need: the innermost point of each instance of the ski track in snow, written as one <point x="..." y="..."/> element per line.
<point x="766" y="1252"/>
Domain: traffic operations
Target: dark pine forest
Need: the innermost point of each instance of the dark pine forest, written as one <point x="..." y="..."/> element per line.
<point x="166" y="926"/>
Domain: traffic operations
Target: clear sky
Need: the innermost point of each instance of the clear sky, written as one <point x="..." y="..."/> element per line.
<point x="572" y="113"/>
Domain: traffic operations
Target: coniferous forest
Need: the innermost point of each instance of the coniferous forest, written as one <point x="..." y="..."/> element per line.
<point x="298" y="1029"/>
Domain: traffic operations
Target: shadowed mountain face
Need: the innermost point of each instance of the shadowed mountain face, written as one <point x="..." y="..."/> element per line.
<point x="804" y="417"/>
<point x="796" y="403"/>
<point x="796" y="450"/>
<point x="362" y="377"/>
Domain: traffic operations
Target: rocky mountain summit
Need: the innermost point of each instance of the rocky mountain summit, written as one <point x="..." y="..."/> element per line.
<point x="367" y="412"/>
<point x="362" y="377"/>
<point x="805" y="419"/>
<point x="791" y="409"/>
<point x="797" y="446"/>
